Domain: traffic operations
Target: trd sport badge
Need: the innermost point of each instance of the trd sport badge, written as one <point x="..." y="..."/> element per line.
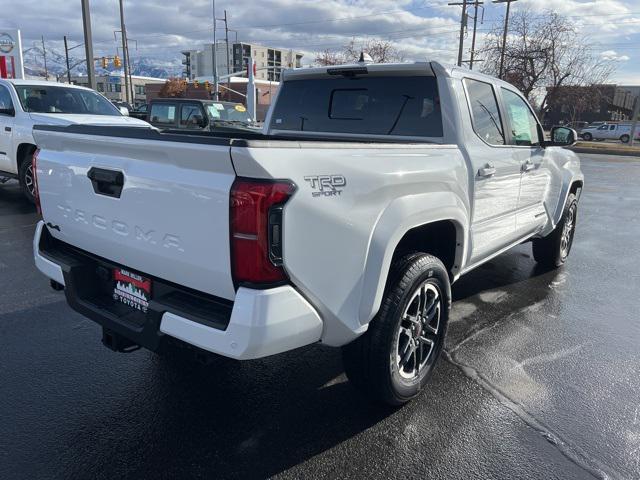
<point x="326" y="185"/>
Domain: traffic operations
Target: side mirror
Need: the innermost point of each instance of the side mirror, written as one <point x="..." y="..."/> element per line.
<point x="562" y="137"/>
<point x="8" y="111"/>
<point x="124" y="111"/>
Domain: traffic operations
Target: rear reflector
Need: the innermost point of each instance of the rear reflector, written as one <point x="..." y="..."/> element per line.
<point x="256" y="230"/>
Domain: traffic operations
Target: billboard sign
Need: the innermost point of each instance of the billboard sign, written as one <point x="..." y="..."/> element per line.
<point x="11" y="65"/>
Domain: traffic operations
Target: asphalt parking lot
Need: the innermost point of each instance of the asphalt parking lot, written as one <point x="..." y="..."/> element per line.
<point x="541" y="379"/>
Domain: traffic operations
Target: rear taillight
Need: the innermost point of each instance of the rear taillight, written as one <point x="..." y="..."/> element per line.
<point x="34" y="168"/>
<point x="256" y="230"/>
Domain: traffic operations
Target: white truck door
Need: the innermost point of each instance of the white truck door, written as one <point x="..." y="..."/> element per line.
<point x="496" y="173"/>
<point x="601" y="132"/>
<point x="6" y="128"/>
<point x="526" y="148"/>
<point x="612" y="132"/>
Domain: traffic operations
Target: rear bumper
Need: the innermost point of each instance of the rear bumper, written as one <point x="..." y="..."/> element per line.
<point x="257" y="324"/>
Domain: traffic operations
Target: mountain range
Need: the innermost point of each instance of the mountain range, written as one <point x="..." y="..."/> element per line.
<point x="56" y="65"/>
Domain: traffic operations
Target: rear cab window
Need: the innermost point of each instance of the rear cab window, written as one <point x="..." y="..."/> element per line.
<point x="407" y="106"/>
<point x="485" y="116"/>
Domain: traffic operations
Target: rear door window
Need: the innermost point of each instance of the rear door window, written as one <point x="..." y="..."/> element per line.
<point x="163" y="113"/>
<point x="373" y="105"/>
<point x="485" y="115"/>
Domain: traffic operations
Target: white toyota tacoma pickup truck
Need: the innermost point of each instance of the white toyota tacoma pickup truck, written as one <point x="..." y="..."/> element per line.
<point x="371" y="190"/>
<point x="24" y="103"/>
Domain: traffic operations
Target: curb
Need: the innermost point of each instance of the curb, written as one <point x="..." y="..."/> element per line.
<point x="607" y="151"/>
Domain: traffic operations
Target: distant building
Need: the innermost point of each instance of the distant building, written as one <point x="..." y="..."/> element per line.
<point x="609" y="103"/>
<point x="112" y="86"/>
<point x="269" y="61"/>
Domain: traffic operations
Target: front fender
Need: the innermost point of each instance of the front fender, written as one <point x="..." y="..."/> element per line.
<point x="569" y="172"/>
<point x="398" y="218"/>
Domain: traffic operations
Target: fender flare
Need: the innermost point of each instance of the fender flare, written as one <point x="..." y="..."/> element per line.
<point x="570" y="175"/>
<point x="398" y="218"/>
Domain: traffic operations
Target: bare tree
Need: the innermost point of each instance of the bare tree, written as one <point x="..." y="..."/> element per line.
<point x="380" y="51"/>
<point x="543" y="54"/>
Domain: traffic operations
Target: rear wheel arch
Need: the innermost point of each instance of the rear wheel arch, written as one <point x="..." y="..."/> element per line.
<point x="442" y="239"/>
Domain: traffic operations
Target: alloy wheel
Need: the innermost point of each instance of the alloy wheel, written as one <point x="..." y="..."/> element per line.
<point x="419" y="331"/>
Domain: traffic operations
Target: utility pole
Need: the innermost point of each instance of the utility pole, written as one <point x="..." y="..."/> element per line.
<point x="504" y="34"/>
<point x="88" y="43"/>
<point x="214" y="55"/>
<point x="463" y="24"/>
<point x="66" y="56"/>
<point x="125" y="54"/>
<point x="476" y="4"/>
<point x="226" y="39"/>
<point x="634" y="120"/>
<point x="44" y="53"/>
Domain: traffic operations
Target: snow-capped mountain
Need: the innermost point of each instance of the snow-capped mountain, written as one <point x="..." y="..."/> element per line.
<point x="56" y="64"/>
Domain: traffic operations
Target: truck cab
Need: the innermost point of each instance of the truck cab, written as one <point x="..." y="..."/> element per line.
<point x="199" y="115"/>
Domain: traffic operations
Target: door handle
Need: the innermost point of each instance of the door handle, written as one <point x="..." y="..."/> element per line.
<point x="106" y="182"/>
<point x="487" y="171"/>
<point x="528" y="165"/>
<point x="7" y="129"/>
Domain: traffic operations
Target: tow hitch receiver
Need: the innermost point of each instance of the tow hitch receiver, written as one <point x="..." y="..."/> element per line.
<point x="117" y="343"/>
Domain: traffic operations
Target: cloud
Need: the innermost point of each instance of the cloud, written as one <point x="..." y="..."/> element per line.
<point x="613" y="55"/>
<point x="420" y="29"/>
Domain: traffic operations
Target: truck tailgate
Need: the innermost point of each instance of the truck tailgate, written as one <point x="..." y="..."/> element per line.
<point x="170" y="219"/>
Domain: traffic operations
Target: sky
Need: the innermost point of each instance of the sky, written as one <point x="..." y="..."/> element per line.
<point x="426" y="29"/>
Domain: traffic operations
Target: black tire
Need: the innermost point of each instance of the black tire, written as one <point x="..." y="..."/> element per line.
<point x="372" y="361"/>
<point x="624" y="138"/>
<point x="587" y="136"/>
<point x="553" y="250"/>
<point x="25" y="177"/>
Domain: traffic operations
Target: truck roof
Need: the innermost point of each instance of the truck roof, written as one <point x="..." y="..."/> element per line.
<point x="408" y="68"/>
<point x="44" y="83"/>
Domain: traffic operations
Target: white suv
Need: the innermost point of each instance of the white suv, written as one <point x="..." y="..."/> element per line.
<point x="24" y="103"/>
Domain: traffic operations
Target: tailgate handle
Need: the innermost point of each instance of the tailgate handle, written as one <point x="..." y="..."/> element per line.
<point x="106" y="182"/>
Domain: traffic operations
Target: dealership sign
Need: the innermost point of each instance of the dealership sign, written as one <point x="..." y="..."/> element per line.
<point x="11" y="65"/>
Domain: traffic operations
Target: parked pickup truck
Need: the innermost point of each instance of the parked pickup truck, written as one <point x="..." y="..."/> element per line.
<point x="609" y="131"/>
<point x="24" y="103"/>
<point x="371" y="190"/>
<point x="199" y="115"/>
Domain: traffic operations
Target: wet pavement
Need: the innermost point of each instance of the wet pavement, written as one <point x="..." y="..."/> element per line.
<point x="541" y="378"/>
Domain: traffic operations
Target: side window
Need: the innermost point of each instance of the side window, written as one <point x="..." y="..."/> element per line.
<point x="603" y="127"/>
<point x="163" y="113"/>
<point x="612" y="127"/>
<point x="484" y="111"/>
<point x="190" y="115"/>
<point x="5" y="98"/>
<point x="524" y="126"/>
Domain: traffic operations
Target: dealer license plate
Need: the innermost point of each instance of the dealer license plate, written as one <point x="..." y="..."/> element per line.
<point x="131" y="289"/>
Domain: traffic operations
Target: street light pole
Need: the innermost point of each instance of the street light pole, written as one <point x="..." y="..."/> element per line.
<point x="634" y="119"/>
<point x="88" y="43"/>
<point x="66" y="56"/>
<point x="214" y="55"/>
<point x="125" y="54"/>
